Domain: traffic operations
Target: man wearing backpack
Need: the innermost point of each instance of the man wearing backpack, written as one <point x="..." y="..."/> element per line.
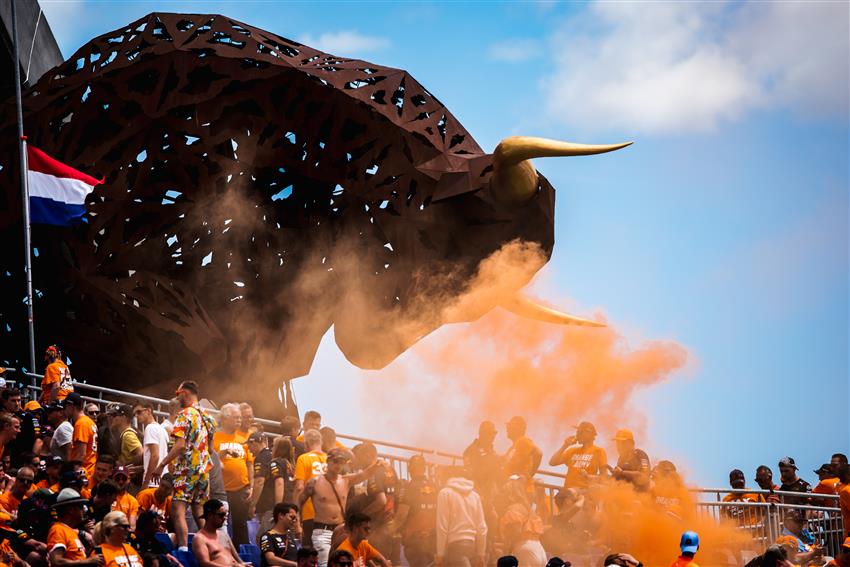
<point x="193" y="434"/>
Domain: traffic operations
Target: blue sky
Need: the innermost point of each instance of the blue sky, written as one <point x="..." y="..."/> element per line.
<point x="724" y="228"/>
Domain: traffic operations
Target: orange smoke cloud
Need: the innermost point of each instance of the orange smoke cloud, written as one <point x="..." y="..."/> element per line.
<point x="503" y="365"/>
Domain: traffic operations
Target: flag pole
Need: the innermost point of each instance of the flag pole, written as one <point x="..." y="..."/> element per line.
<point x="25" y="196"/>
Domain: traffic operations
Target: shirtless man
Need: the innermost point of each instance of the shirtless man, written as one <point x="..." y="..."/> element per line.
<point x="211" y="548"/>
<point x="329" y="493"/>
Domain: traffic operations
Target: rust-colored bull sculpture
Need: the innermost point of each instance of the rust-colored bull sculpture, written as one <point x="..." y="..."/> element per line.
<point x="257" y="191"/>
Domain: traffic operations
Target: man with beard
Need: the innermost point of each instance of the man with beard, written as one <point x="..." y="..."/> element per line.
<point x="792" y="483"/>
<point x="743" y="515"/>
<point x="192" y="434"/>
<point x="585" y="461"/>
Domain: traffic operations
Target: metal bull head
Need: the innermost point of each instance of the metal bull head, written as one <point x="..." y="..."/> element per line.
<point x="256" y="191"/>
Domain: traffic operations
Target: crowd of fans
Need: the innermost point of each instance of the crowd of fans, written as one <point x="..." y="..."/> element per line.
<point x="117" y="488"/>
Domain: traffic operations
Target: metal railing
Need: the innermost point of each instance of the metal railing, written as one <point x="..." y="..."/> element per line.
<point x="762" y="521"/>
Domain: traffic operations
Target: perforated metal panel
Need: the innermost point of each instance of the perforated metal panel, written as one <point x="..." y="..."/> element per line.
<point x="256" y="192"/>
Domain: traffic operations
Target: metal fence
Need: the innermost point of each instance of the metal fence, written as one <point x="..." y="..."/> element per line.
<point x="762" y="521"/>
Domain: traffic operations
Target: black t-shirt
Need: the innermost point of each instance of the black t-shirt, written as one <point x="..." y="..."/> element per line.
<point x="152" y="545"/>
<point x="262" y="469"/>
<point x="298" y="448"/>
<point x="638" y="461"/>
<point x="282" y="545"/>
<point x="282" y="468"/>
<point x="361" y="495"/>
<point x="421" y="497"/>
<point x="23" y="443"/>
<point x="483" y="462"/>
<point x="98" y="513"/>
<point x="798" y="485"/>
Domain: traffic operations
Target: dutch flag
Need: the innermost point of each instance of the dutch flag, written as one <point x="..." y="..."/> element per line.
<point x="57" y="191"/>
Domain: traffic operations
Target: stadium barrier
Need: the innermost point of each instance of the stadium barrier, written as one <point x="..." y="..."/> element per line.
<point x="761" y="520"/>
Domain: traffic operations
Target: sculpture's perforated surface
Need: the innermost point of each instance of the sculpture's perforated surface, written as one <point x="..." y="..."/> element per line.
<point x="255" y="190"/>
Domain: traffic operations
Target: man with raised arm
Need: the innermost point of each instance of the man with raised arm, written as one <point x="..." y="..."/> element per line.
<point x="329" y="493"/>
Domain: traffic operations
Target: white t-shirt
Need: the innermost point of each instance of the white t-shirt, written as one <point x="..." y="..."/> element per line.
<point x="61" y="437"/>
<point x="155" y="435"/>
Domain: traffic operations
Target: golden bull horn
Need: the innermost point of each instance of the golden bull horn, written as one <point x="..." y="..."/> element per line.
<point x="530" y="309"/>
<point x="515" y="179"/>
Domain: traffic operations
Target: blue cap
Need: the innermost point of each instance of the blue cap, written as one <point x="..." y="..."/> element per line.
<point x="690" y="542"/>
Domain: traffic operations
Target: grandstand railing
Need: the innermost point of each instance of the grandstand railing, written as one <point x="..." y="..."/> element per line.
<point x="762" y="520"/>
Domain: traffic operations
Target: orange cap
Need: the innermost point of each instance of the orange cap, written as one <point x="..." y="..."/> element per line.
<point x="624" y="435"/>
<point x="32" y="405"/>
<point x="846" y="544"/>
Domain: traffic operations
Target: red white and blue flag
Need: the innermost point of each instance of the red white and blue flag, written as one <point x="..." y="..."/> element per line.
<point x="57" y="191"/>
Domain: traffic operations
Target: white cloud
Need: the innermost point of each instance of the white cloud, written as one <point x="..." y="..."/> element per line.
<point x="345" y="43"/>
<point x="515" y="50"/>
<point x="673" y="67"/>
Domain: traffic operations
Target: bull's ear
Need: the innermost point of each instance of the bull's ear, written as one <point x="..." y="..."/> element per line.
<point x="452" y="184"/>
<point x="467" y="174"/>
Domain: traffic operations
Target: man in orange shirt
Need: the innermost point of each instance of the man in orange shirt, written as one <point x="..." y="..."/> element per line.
<point x="63" y="540"/>
<point x="237" y="467"/>
<point x="11" y="499"/>
<point x="312" y="420"/>
<point x="124" y="501"/>
<point x="689" y="545"/>
<point x="827" y="484"/>
<point x="56" y="384"/>
<point x="355" y="544"/>
<point x="103" y="469"/>
<point x="743" y="515"/>
<point x="584" y="461"/>
<point x="158" y="498"/>
<point x="312" y="463"/>
<point x="523" y="458"/>
<point x="844" y="496"/>
<point x="84" y="440"/>
<point x="247" y="425"/>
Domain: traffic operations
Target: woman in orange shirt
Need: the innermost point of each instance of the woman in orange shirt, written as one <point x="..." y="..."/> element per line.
<point x="110" y="536"/>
